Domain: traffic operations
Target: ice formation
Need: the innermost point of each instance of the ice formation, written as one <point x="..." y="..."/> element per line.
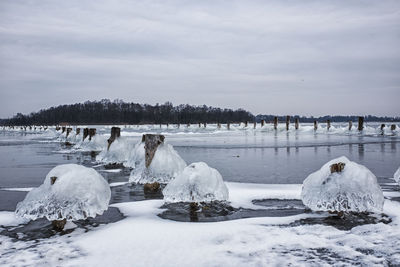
<point x="77" y="193"/>
<point x="119" y="152"/>
<point x="355" y="188"/>
<point x="197" y="183"/>
<point x="98" y="143"/>
<point x="397" y="175"/>
<point x="165" y="165"/>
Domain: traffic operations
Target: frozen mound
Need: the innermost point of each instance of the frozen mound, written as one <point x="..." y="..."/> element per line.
<point x="136" y="156"/>
<point x="119" y="152"/>
<point x="197" y="183"/>
<point x="98" y="143"/>
<point x="351" y="187"/>
<point x="397" y="175"/>
<point x="76" y="193"/>
<point x="166" y="165"/>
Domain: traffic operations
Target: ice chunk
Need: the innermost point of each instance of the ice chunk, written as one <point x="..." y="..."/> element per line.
<point x="165" y="165"/>
<point x="354" y="188"/>
<point x="98" y="143"/>
<point x="197" y="183"/>
<point x="119" y="152"/>
<point x="397" y="175"/>
<point x="76" y="193"/>
<point x="136" y="156"/>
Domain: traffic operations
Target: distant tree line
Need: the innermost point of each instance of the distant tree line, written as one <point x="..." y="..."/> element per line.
<point x="119" y="112"/>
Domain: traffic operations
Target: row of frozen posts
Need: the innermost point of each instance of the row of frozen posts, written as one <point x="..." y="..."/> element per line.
<point x="115" y="131"/>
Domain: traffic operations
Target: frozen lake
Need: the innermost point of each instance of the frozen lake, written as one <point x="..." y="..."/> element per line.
<point x="262" y="167"/>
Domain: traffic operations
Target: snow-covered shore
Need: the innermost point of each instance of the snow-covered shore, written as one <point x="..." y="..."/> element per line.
<point x="145" y="239"/>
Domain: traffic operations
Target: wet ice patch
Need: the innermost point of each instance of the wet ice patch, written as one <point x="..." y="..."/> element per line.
<point x="355" y="188"/>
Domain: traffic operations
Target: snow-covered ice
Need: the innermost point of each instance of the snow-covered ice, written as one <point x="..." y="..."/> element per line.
<point x="166" y="165"/>
<point x="144" y="239"/>
<point x="355" y="188"/>
<point x="77" y="193"/>
<point x="197" y="183"/>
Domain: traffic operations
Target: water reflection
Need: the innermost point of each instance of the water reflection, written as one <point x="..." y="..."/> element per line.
<point x="361" y="151"/>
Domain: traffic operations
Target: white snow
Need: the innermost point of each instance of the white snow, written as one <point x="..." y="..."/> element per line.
<point x="78" y="192"/>
<point x="144" y="239"/>
<point x="197" y="183"/>
<point x="166" y="165"/>
<point x="354" y="189"/>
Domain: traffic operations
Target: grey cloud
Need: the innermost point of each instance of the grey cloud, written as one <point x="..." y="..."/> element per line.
<point x="287" y="57"/>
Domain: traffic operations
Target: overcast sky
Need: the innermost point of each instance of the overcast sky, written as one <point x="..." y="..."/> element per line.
<point x="270" y="57"/>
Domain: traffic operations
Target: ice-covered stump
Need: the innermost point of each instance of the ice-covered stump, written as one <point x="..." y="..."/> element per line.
<point x="115" y="133"/>
<point x="342" y="185"/>
<point x="165" y="165"/>
<point x="397" y="176"/>
<point x="151" y="143"/>
<point x="69" y="192"/>
<point x="197" y="183"/>
<point x="92" y="132"/>
<point x="85" y="133"/>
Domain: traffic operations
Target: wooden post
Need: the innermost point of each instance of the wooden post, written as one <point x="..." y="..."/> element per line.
<point x="219" y="125"/>
<point x="315" y="125"/>
<point x="328" y="124"/>
<point x="68" y="131"/>
<point x="393" y="127"/>
<point x="92" y="132"/>
<point x="115" y="133"/>
<point x="262" y="123"/>
<point x="85" y="133"/>
<point x="228" y="125"/>
<point x="179" y="125"/>
<point x="62" y="129"/>
<point x="350" y="125"/>
<point x="275" y="123"/>
<point x="199" y="125"/>
<point x="296" y="123"/>
<point x="255" y="124"/>
<point x="245" y="124"/>
<point x="205" y="124"/>
<point x="360" y="123"/>
<point x="287" y="122"/>
<point x="151" y="143"/>
<point x="78" y="131"/>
